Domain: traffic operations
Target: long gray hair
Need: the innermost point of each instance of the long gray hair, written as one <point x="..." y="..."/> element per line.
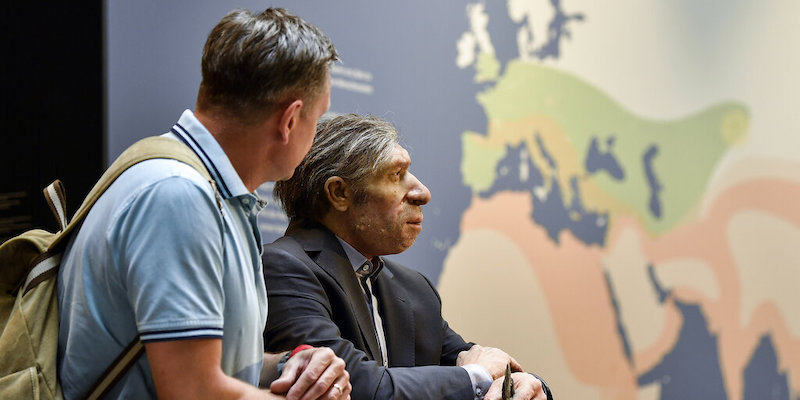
<point x="349" y="146"/>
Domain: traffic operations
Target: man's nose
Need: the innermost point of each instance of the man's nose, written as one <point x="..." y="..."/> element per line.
<point x="419" y="193"/>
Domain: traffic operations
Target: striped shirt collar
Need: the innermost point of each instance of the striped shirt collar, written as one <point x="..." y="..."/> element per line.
<point x="191" y="132"/>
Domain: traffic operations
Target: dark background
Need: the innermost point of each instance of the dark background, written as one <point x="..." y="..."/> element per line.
<point x="53" y="108"/>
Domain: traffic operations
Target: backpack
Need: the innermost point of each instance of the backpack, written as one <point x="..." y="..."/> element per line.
<point x="28" y="271"/>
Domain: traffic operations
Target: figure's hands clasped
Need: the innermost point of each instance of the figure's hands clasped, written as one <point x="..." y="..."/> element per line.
<point x="315" y="373"/>
<point x="492" y="359"/>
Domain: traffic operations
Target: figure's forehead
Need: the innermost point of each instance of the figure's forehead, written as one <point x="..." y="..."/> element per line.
<point x="398" y="159"/>
<point x="399" y="156"/>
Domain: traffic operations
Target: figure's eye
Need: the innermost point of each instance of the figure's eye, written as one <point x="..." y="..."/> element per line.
<point x="397" y="175"/>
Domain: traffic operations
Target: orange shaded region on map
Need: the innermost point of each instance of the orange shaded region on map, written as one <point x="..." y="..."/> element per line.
<point x="574" y="284"/>
<point x="707" y="239"/>
<point x="575" y="289"/>
<point x="647" y="357"/>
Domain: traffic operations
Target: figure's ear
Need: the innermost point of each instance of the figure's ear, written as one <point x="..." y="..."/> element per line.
<point x="288" y="119"/>
<point x="338" y="193"/>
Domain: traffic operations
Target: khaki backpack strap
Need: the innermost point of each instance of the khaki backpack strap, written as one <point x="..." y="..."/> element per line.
<point x="57" y="200"/>
<point x="145" y="149"/>
<point x="47" y="263"/>
<point x="122" y="364"/>
<point x="44" y="267"/>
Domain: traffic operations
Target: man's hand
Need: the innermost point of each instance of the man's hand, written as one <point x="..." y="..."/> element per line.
<point x="315" y="373"/>
<point x="526" y="387"/>
<point x="494" y="360"/>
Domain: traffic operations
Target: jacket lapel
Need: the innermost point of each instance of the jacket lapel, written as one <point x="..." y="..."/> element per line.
<point x="322" y="246"/>
<point x="398" y="320"/>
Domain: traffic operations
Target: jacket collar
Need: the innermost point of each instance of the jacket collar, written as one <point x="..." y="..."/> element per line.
<point x="322" y="246"/>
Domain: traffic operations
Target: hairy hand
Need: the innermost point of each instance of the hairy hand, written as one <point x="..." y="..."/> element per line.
<point x="494" y="360"/>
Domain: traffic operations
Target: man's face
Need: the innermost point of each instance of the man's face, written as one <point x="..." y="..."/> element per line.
<point x="390" y="218"/>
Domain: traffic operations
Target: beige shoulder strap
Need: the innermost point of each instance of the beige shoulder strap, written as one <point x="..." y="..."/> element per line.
<point x="145" y="149"/>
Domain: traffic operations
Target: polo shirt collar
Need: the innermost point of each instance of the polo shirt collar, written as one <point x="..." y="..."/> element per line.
<point x="189" y="130"/>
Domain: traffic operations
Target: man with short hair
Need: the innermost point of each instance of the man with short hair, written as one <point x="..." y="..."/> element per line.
<point x="170" y="257"/>
<point x="351" y="201"/>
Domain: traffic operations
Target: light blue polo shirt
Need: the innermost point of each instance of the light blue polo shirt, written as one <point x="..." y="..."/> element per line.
<point x="156" y="257"/>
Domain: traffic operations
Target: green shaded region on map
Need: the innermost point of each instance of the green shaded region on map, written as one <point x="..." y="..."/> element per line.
<point x="666" y="164"/>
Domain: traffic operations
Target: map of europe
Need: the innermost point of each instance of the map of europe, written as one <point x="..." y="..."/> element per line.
<point x="638" y="279"/>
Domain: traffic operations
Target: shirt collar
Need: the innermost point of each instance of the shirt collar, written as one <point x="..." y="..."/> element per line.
<point x="189" y="130"/>
<point x="361" y="265"/>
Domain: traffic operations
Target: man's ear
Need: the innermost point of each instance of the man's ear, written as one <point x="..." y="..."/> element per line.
<point x="338" y="193"/>
<point x="288" y="119"/>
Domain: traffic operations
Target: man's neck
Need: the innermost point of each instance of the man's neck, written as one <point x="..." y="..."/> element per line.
<point x="236" y="141"/>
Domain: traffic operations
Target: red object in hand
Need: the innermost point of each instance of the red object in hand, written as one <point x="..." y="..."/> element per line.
<point x="299" y="349"/>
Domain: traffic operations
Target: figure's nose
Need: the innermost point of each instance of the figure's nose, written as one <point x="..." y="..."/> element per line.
<point x="419" y="193"/>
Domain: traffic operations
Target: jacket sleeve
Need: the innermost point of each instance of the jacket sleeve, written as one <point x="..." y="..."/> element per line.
<point x="302" y="302"/>
<point x="452" y="342"/>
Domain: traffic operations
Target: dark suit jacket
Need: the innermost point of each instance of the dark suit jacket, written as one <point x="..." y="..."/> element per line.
<point x="315" y="298"/>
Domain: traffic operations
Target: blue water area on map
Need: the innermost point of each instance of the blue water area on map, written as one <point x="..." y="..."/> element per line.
<point x="621" y="330"/>
<point x="551" y="162"/>
<point x="762" y="379"/>
<point x="691" y="370"/>
<point x="598" y="160"/>
<point x="661" y="293"/>
<point x="516" y="172"/>
<point x="503" y="31"/>
<point x="652" y="181"/>
<point x="556" y="31"/>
